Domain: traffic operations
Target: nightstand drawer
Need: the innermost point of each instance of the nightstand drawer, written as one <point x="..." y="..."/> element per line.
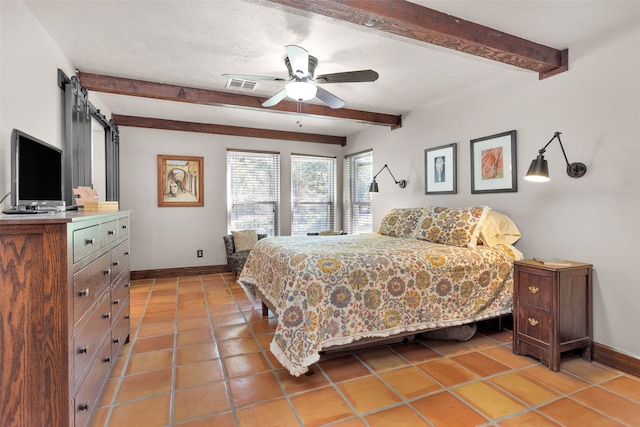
<point x="534" y="322"/>
<point x="534" y="289"/>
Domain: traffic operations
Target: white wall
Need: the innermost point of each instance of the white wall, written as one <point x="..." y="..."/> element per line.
<point x="596" y="104"/>
<point x="168" y="237"/>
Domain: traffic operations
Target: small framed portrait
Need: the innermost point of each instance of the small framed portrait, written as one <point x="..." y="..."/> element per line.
<point x="180" y="181"/>
<point x="440" y="171"/>
<point x="493" y="164"/>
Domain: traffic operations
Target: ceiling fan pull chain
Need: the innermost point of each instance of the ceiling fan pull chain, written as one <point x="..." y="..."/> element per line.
<point x="299" y="111"/>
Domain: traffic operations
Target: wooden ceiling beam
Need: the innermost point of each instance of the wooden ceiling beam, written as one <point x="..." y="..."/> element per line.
<point x="417" y="22"/>
<point x="153" y="123"/>
<point x="168" y="92"/>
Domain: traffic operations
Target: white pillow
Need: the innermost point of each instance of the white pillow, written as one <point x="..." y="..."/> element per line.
<point x="498" y="229"/>
<point x="244" y="240"/>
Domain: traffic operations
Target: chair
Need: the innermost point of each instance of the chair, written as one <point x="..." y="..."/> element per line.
<point x="236" y="260"/>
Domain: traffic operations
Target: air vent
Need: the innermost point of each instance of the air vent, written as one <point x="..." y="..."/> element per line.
<point x="241" y="84"/>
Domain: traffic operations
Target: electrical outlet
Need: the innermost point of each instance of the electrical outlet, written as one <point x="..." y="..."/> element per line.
<point x="199" y="253"/>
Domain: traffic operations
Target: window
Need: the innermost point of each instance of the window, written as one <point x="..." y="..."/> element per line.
<point x="313" y="193"/>
<point x="357" y="200"/>
<point x="253" y="191"/>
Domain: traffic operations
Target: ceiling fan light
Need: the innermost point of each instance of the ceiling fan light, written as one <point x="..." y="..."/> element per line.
<point x="301" y="91"/>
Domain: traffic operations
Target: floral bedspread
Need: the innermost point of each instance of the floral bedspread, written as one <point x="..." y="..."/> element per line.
<point x="333" y="290"/>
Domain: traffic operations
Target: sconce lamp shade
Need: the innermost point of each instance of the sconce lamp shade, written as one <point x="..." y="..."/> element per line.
<point x="538" y="171"/>
<point x="301" y="91"/>
<point x="373" y="187"/>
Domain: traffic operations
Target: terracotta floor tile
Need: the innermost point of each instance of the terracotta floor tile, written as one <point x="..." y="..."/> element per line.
<point x="272" y="413"/>
<point x="155" y="329"/>
<point x="560" y="381"/>
<point x="264" y="326"/>
<point x="344" y="368"/>
<point x="264" y="341"/>
<point x="528" y="419"/>
<point x="160" y="306"/>
<point x="159" y="317"/>
<point x="504" y="336"/>
<point x="150" y="412"/>
<point x="480" y="364"/>
<point x="302" y="383"/>
<point x="194" y="323"/>
<point x="602" y="400"/>
<point x="109" y="392"/>
<point x="410" y="382"/>
<point x="254" y="388"/>
<point x="480" y="341"/>
<point x="368" y="393"/>
<point x="99" y="417"/>
<point x="398" y="416"/>
<point x="195" y="374"/>
<point x="145" y="384"/>
<point x="197" y="336"/>
<point x="192" y="313"/>
<point x="320" y="407"/>
<point x="415" y="352"/>
<point x="626" y="385"/>
<point x="446" y="348"/>
<point x="445" y="410"/>
<point x="525" y="388"/>
<point x="238" y="346"/>
<point x="153" y="343"/>
<point x="227" y="319"/>
<point x="593" y="372"/>
<point x="118" y="367"/>
<point x="233" y="331"/>
<point x="447" y="372"/>
<point x="245" y="364"/>
<point x="223" y="305"/>
<point x="196" y="353"/>
<point x="150" y="361"/>
<point x="224" y="419"/>
<point x="199" y="401"/>
<point x="381" y="359"/>
<point x="504" y="354"/>
<point x="573" y="414"/>
<point x="350" y="422"/>
<point x="489" y="400"/>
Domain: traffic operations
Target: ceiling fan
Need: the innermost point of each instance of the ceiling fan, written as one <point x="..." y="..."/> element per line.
<point x="301" y="87"/>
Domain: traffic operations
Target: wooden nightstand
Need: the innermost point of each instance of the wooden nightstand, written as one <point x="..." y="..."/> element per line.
<point x="551" y="310"/>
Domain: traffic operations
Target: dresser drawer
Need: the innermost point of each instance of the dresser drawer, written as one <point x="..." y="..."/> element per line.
<point x="534" y="289"/>
<point x="89" y="284"/>
<point x="119" y="294"/>
<point x="123" y="227"/>
<point x="85" y="242"/>
<point x="109" y="232"/>
<point x="119" y="259"/>
<point x="120" y="329"/>
<point x="533" y="322"/>
<point x="86" y="398"/>
<point x="91" y="334"/>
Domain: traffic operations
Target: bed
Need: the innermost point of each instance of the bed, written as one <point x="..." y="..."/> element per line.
<point x="426" y="268"/>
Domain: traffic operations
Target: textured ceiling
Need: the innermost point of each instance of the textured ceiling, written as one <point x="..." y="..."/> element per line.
<point x="191" y="43"/>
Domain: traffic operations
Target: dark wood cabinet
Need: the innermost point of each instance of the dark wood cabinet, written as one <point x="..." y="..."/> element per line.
<point x="64" y="313"/>
<point x="552" y="310"/>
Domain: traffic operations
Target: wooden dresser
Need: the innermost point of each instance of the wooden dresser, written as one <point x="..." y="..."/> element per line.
<point x="64" y="313"/>
<point x="552" y="310"/>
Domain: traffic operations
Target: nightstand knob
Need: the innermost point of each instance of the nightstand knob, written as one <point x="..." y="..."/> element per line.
<point x="533" y="289"/>
<point x="532" y="321"/>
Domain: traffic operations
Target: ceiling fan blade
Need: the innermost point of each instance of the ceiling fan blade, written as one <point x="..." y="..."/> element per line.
<point x="328" y="98"/>
<point x="254" y="78"/>
<point x="275" y="99"/>
<point x="348" y="77"/>
<point x="299" y="60"/>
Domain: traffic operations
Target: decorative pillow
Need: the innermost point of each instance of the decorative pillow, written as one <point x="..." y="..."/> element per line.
<point x="244" y="240"/>
<point x="498" y="229"/>
<point x="452" y="226"/>
<point x="330" y="233"/>
<point x="402" y="222"/>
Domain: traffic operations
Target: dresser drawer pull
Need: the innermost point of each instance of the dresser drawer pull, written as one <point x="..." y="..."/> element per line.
<point x="83" y="350"/>
<point x="106" y="315"/>
<point x="84" y="293"/>
<point x="124" y="227"/>
<point x="116" y="340"/>
<point x="532" y="321"/>
<point x="115" y="263"/>
<point x="83" y="407"/>
<point x="106" y="360"/>
<point x="90" y="241"/>
<point x="533" y="289"/>
<point x="106" y="272"/>
<point x="111" y="232"/>
<point x="126" y="316"/>
<point x="127" y="285"/>
<point x="116" y="302"/>
<point x="127" y="253"/>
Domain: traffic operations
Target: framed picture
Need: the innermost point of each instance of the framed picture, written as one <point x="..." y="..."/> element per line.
<point x="440" y="170"/>
<point x="493" y="164"/>
<point x="180" y="181"/>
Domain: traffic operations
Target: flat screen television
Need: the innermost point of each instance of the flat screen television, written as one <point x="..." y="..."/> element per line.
<point x="36" y="174"/>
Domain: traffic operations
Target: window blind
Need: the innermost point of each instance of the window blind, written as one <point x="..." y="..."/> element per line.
<point x="253" y="191"/>
<point x="357" y="199"/>
<point x="313" y="193"/>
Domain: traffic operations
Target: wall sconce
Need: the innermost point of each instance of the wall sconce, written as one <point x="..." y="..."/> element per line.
<point x="373" y="187"/>
<point x="539" y="169"/>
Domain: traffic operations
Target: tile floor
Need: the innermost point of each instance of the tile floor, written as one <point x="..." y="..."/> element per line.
<point x="199" y="356"/>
